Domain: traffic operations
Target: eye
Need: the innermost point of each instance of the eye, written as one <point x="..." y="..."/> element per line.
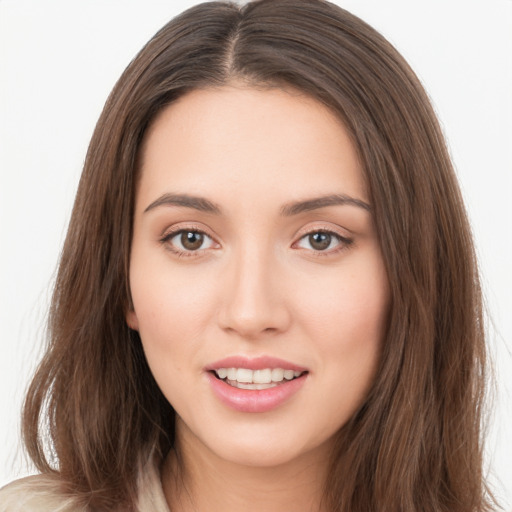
<point x="323" y="241"/>
<point x="188" y="240"/>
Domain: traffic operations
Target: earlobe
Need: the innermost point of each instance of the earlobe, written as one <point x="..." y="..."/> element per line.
<point x="131" y="320"/>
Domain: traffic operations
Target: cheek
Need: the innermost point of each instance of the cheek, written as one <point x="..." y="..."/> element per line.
<point x="350" y="334"/>
<point x="168" y="303"/>
<point x="349" y="331"/>
<point x="346" y="316"/>
<point x="349" y="307"/>
<point x="172" y="309"/>
<point x="170" y="315"/>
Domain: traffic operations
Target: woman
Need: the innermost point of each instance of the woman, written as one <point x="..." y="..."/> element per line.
<point x="268" y="295"/>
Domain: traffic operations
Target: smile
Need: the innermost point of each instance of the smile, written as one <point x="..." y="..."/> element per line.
<point x="245" y="378"/>
<point x="255" y="385"/>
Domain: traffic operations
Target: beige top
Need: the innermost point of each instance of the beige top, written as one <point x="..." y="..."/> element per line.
<point x="40" y="494"/>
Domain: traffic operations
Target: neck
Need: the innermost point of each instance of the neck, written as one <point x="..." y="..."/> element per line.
<point x="196" y="480"/>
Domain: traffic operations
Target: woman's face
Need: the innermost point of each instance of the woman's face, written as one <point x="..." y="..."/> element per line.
<point x="258" y="285"/>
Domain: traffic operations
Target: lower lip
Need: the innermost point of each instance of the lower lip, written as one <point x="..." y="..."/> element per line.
<point x="255" y="400"/>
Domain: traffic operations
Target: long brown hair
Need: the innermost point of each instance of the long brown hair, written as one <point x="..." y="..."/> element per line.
<point x="415" y="443"/>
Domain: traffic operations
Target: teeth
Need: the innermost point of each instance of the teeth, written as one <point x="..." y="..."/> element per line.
<point x="277" y="374"/>
<point x="252" y="377"/>
<point x="262" y="376"/>
<point x="244" y="375"/>
<point x="222" y="373"/>
<point x="242" y="385"/>
<point x="288" y="374"/>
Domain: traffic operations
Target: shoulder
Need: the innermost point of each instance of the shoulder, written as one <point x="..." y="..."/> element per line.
<point x="39" y="493"/>
<point x="43" y="493"/>
<point x="150" y="493"/>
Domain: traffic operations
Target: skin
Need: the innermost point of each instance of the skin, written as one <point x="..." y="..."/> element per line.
<point x="257" y="285"/>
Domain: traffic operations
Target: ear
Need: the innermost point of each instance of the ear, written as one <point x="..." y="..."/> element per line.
<point x="132" y="320"/>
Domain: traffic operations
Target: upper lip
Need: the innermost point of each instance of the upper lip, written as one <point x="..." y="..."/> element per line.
<point x="254" y="363"/>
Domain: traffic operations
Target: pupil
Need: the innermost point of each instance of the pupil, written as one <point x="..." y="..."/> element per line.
<point x="320" y="241"/>
<point x="191" y="240"/>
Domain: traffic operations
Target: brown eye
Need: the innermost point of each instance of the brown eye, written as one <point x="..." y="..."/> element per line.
<point x="188" y="241"/>
<point x="319" y="241"/>
<point x="191" y="240"/>
<point x="323" y="241"/>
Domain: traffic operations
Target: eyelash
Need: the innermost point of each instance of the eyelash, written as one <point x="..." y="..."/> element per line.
<point x="165" y="240"/>
<point x="343" y="242"/>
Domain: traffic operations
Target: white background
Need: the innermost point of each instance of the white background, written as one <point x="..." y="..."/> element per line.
<point x="58" y="62"/>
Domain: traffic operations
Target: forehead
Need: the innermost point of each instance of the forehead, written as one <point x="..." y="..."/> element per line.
<point x="241" y="142"/>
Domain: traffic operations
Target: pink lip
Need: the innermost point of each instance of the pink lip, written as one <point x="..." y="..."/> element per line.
<point x="254" y="400"/>
<point x="256" y="363"/>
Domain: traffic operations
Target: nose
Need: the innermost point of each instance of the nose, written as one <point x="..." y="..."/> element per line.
<point x="254" y="303"/>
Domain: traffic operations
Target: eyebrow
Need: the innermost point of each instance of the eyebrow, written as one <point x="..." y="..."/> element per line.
<point x="321" y="202"/>
<point x="187" y="201"/>
<point x="288" y="210"/>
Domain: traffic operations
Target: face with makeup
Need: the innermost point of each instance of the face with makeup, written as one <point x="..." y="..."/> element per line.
<point x="257" y="280"/>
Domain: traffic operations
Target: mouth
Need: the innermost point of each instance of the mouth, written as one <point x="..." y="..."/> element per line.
<point x="264" y="378"/>
<point x="255" y="384"/>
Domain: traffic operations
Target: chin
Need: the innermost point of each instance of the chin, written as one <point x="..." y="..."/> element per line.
<point x="266" y="456"/>
<point x="262" y="447"/>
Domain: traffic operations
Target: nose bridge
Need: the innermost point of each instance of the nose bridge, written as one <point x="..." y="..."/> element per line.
<point x="253" y="303"/>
